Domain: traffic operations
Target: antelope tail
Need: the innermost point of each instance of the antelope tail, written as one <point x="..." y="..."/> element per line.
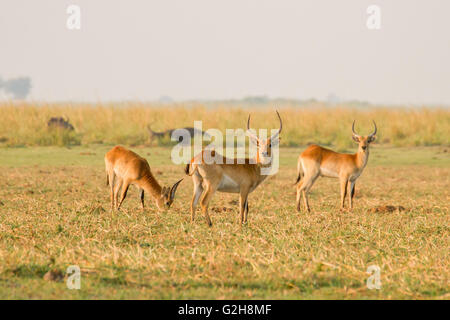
<point x="187" y="169"/>
<point x="299" y="176"/>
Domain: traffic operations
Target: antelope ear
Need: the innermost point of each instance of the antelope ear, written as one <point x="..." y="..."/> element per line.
<point x="355" y="138"/>
<point x="174" y="189"/>
<point x="372" y="138"/>
<point x="274" y="141"/>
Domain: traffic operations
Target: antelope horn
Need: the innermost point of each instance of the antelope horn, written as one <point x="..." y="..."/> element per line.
<point x="150" y="130"/>
<point x="353" y="129"/>
<point x="375" y="131"/>
<point x="281" y="127"/>
<point x="174" y="189"/>
<point x="248" y="129"/>
<point x="281" y="122"/>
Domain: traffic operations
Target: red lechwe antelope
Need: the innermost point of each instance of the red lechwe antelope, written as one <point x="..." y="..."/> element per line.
<point x="124" y="167"/>
<point x="230" y="176"/>
<point x="316" y="161"/>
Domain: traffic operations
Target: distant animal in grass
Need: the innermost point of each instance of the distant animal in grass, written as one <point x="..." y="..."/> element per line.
<point x="317" y="161"/>
<point x="168" y="134"/>
<point x="60" y="123"/>
<point x="123" y="168"/>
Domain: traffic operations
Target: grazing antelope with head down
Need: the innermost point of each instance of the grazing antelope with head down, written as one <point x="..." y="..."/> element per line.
<point x="317" y="161"/>
<point x="168" y="133"/>
<point x="230" y="175"/>
<point x="124" y="167"/>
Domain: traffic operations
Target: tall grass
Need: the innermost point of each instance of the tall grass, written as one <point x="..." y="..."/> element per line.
<point x="25" y="124"/>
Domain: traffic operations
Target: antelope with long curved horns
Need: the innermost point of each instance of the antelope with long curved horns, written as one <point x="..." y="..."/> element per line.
<point x="317" y="161"/>
<point x="230" y="175"/>
<point x="124" y="167"/>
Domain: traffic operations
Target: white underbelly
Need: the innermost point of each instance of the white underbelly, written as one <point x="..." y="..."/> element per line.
<point x="228" y="185"/>
<point x="328" y="173"/>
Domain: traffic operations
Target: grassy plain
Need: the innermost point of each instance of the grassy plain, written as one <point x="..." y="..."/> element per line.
<point x="25" y="124"/>
<point x="54" y="212"/>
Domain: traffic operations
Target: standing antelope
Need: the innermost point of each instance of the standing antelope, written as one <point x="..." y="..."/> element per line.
<point x="317" y="161"/>
<point x="230" y="175"/>
<point x="129" y="168"/>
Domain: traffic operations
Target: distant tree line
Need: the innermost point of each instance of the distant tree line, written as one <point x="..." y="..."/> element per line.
<point x="16" y="88"/>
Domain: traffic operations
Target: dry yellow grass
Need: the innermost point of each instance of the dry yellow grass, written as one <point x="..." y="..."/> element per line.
<point x="53" y="203"/>
<point x="25" y="123"/>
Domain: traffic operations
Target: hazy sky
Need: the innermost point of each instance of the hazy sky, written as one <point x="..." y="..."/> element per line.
<point x="220" y="49"/>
